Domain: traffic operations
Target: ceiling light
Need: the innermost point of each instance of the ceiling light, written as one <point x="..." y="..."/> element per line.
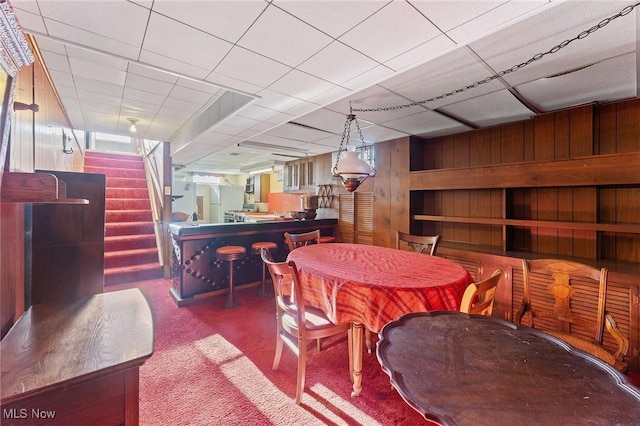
<point x="350" y="168"/>
<point x="133" y="122"/>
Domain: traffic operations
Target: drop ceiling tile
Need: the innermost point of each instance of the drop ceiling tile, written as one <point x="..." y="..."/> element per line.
<point x="56" y="61"/>
<point x="48" y="45"/>
<point x="302" y="109"/>
<point x="193" y="95"/>
<point x="300" y="85"/>
<point x="92" y="40"/>
<point x="122" y="21"/>
<point x="97" y="72"/>
<point x="427" y="122"/>
<point x="603" y="82"/>
<point x="334" y="17"/>
<point x="199" y="85"/>
<point x="230" y="83"/>
<point x="324" y="119"/>
<point x="280" y="36"/>
<point x="420" y="54"/>
<point x="519" y="42"/>
<point x="490" y="109"/>
<point x="103" y="87"/>
<point x="70" y="101"/>
<point x="337" y="63"/>
<point x="182" y="43"/>
<point x="225" y="19"/>
<point x="250" y="67"/>
<point x="276" y="101"/>
<point x="142" y="70"/>
<point x="175" y="112"/>
<point x="443" y="76"/>
<point x="169" y="63"/>
<point x="296" y="133"/>
<point x="88" y="97"/>
<point x="394" y="29"/>
<point x="62" y="79"/>
<point x="368" y="78"/>
<point x="467" y="20"/>
<point x="149" y="85"/>
<point x="132" y="94"/>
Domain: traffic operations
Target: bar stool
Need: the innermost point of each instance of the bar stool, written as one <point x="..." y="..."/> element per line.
<point x="230" y="253"/>
<point x="327" y="239"/>
<point x="255" y="248"/>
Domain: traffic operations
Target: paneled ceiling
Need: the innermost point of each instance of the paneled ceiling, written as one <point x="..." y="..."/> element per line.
<point x="237" y="84"/>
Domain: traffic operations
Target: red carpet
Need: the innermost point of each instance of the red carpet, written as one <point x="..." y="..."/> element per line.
<point x="212" y="366"/>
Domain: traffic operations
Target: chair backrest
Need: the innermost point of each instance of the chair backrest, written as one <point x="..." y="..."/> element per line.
<point x="478" y="297"/>
<point x="286" y="286"/>
<point x="573" y="305"/>
<point x="418" y="243"/>
<point x="294" y="241"/>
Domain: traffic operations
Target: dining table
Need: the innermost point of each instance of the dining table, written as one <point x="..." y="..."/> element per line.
<point x="368" y="286"/>
<point x="466" y="369"/>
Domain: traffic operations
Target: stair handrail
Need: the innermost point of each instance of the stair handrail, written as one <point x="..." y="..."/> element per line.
<point x="150" y="153"/>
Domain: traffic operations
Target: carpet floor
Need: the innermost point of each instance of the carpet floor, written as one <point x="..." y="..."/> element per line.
<point x="212" y="366"/>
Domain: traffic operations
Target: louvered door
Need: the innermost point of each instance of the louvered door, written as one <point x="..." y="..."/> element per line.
<point x="355" y="224"/>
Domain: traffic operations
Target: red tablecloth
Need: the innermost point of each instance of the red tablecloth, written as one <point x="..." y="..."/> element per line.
<point x="374" y="285"/>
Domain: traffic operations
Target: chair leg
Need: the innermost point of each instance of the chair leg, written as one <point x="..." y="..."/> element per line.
<point x="367" y="340"/>
<point x="302" y="365"/>
<point x="319" y="344"/>
<point x="278" y="355"/>
<point x="350" y="344"/>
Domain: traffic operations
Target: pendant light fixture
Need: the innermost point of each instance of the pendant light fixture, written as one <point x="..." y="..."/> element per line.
<point x="350" y="168"/>
<point x="133" y="122"/>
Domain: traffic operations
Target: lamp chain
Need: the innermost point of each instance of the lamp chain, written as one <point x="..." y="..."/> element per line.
<point x="502" y="73"/>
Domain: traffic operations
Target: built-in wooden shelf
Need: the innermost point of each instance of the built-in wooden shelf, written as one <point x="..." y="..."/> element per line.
<point x="35" y="188"/>
<point x="585" y="226"/>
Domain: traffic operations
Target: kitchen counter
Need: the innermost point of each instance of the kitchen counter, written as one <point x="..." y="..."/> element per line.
<point x="197" y="274"/>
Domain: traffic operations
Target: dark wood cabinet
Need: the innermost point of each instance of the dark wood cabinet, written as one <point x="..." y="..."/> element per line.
<point x="67" y="242"/>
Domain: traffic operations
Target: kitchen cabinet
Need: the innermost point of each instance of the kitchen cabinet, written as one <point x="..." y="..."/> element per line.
<point x="261" y="188"/>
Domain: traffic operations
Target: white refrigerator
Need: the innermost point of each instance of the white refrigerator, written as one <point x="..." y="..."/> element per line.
<point x="225" y="198"/>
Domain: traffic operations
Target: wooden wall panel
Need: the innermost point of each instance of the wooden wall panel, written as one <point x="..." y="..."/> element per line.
<point x="12" y="278"/>
<point x="628" y="126"/>
<point x="605" y="129"/>
<point x="480" y="148"/>
<point x="544" y="135"/>
<point x="383" y="194"/>
<point x="581" y="131"/>
<point x="399" y="215"/>
<point x="561" y="139"/>
<point x="512" y="146"/>
<point x="462" y="150"/>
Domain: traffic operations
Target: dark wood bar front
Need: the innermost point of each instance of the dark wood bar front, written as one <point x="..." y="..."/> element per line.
<point x="197" y="274"/>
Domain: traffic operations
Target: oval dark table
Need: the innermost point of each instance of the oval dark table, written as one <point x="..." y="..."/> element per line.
<point x="460" y="369"/>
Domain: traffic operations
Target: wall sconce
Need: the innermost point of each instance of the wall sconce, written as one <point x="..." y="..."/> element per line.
<point x="66" y="143"/>
<point x="133" y="122"/>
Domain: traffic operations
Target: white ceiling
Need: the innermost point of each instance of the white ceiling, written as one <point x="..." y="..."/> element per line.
<point x="209" y="75"/>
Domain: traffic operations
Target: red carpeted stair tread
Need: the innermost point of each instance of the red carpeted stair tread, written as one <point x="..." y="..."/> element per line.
<point x="143" y="215"/>
<point x="128" y="274"/>
<point x="131" y="252"/>
<point x="130" y="257"/>
<point x="129" y="242"/>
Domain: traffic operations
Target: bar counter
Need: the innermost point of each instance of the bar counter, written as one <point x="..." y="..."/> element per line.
<point x="197" y="274"/>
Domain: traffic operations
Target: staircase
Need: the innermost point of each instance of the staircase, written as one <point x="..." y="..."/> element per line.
<point x="130" y="251"/>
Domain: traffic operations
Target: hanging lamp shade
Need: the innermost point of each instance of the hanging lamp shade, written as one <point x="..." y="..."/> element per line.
<point x="350" y="168"/>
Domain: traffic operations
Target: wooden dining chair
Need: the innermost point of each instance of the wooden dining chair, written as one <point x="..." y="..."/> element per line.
<point x="418" y="243"/>
<point x="478" y="297"/>
<point x="568" y="300"/>
<point x="294" y="241"/>
<point x="297" y="323"/>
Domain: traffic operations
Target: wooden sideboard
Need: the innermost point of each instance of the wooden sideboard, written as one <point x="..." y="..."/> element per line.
<point x="76" y="363"/>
